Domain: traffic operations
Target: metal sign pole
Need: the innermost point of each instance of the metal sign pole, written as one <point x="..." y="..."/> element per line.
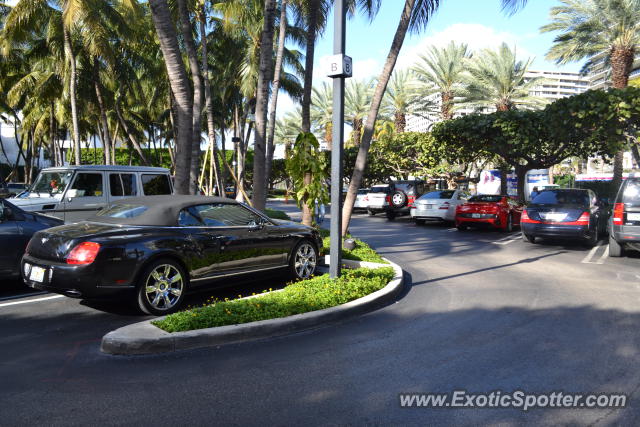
<point x="340" y="68"/>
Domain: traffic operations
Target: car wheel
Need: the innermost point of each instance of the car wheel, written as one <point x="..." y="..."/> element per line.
<point x="615" y="248"/>
<point x="509" y="226"/>
<point x="304" y="260"/>
<point x="419" y="221"/>
<point x="391" y="215"/>
<point x="398" y="199"/>
<point x="370" y="212"/>
<point x="462" y="227"/>
<point x="528" y="238"/>
<point x="162" y="287"/>
<point x="592" y="240"/>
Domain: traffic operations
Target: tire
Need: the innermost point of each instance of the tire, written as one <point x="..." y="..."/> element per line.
<point x="162" y="287"/>
<point x="529" y="239"/>
<point x="462" y="227"/>
<point x="419" y="221"/>
<point x="592" y="240"/>
<point x="391" y="215"/>
<point x="509" y="225"/>
<point x="304" y="260"/>
<point x="615" y="249"/>
<point x="370" y="212"/>
<point x="398" y="199"/>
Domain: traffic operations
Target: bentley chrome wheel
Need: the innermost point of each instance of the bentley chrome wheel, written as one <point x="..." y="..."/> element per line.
<point x="305" y="261"/>
<point x="164" y="286"/>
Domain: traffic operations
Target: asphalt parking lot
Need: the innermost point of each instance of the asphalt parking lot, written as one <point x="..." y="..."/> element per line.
<point x="483" y="311"/>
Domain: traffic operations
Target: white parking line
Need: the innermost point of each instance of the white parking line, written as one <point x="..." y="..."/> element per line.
<point x="6" y="304"/>
<point x="604" y="256"/>
<point x="509" y="239"/>
<point x="592" y="252"/>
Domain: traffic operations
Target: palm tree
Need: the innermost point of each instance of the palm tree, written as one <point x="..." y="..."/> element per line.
<point x="357" y="99"/>
<point x="322" y="111"/>
<point x="180" y="89"/>
<point x="590" y="28"/>
<point x="401" y="97"/>
<point x="441" y="71"/>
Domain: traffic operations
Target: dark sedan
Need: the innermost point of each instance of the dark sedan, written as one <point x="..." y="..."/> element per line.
<point x="574" y="214"/>
<point x="154" y="249"/>
<point x="16" y="228"/>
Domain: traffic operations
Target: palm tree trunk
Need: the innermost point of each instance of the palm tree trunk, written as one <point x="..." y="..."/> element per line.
<point x="106" y="141"/>
<point x="194" y="66"/>
<point x="52" y="137"/>
<point x="273" y="104"/>
<point x="400" y="122"/>
<point x="259" y="197"/>
<point x="209" y="105"/>
<point x="72" y="94"/>
<point x="179" y="82"/>
<point x="446" y="110"/>
<point x="621" y="63"/>
<point x="383" y="80"/>
<point x="134" y="141"/>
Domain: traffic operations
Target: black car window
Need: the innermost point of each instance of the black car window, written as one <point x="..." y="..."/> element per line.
<point x="223" y="214"/>
<point x="87" y="185"/>
<point x="187" y="218"/>
<point x="562" y="197"/>
<point x="123" y="211"/>
<point x="631" y="193"/>
<point x="379" y="190"/>
<point x="122" y="184"/>
<point x="446" y="194"/>
<point x="485" y="198"/>
<point x="155" y="184"/>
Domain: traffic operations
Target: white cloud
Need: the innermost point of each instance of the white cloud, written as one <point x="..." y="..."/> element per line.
<point x="476" y="36"/>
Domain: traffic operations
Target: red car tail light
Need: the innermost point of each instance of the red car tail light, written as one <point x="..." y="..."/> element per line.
<point x="445" y="205"/>
<point x="618" y="214"/>
<point x="410" y="201"/>
<point x="387" y="199"/>
<point x="584" y="219"/>
<point x="84" y="253"/>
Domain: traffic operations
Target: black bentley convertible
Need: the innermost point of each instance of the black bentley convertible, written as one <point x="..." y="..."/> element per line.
<point x="154" y="249"/>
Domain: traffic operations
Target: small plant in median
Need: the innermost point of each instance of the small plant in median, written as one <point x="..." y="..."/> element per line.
<point x="362" y="251"/>
<point x="312" y="294"/>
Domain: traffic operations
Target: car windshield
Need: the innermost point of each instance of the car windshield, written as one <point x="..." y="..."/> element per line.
<point x="380" y="189"/>
<point x="51" y="183"/>
<point x="361" y="192"/>
<point x="446" y="194"/>
<point x="486" y="198"/>
<point x="562" y="197"/>
<point x="122" y="211"/>
<point x="631" y="195"/>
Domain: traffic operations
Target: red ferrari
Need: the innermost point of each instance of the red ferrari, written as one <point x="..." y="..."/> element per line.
<point x="501" y="212"/>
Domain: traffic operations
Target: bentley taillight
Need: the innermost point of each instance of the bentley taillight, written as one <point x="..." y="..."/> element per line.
<point x="584" y="219"/>
<point x="84" y="253"/>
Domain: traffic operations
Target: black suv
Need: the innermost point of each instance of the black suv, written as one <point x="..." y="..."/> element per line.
<point x="402" y="195"/>
<point x="624" y="225"/>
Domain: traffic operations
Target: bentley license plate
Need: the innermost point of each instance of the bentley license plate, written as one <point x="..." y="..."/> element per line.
<point x="475" y="215"/>
<point x="37" y="274"/>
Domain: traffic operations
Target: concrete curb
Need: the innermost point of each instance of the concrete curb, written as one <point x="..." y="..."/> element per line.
<point x="145" y="338"/>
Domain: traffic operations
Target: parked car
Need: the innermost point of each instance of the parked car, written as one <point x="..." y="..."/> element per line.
<point x="362" y="201"/>
<point x="624" y="225"/>
<point x="4" y="190"/>
<point x="152" y="250"/>
<point x="16" y="228"/>
<point x="378" y="198"/>
<point x="16" y="188"/>
<point x="438" y="205"/>
<point x="74" y="193"/>
<point x="499" y="211"/>
<point x="575" y="214"/>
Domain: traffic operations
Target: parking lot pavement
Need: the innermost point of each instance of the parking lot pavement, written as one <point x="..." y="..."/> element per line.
<point x="483" y="311"/>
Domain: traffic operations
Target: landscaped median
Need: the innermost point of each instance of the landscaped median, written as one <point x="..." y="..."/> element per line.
<point x="303" y="305"/>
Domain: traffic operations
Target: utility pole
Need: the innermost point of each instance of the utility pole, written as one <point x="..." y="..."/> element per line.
<point x="340" y="67"/>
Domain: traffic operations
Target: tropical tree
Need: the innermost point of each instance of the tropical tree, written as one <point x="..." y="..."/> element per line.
<point x="401" y="97"/>
<point x="599" y="30"/>
<point x="441" y="72"/>
<point x="322" y="111"/>
<point x="357" y="100"/>
<point x="497" y="79"/>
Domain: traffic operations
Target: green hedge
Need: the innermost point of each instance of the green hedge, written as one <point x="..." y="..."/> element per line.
<point x="312" y="294"/>
<point x="276" y="214"/>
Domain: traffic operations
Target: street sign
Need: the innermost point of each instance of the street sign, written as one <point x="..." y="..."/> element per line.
<point x="339" y="65"/>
